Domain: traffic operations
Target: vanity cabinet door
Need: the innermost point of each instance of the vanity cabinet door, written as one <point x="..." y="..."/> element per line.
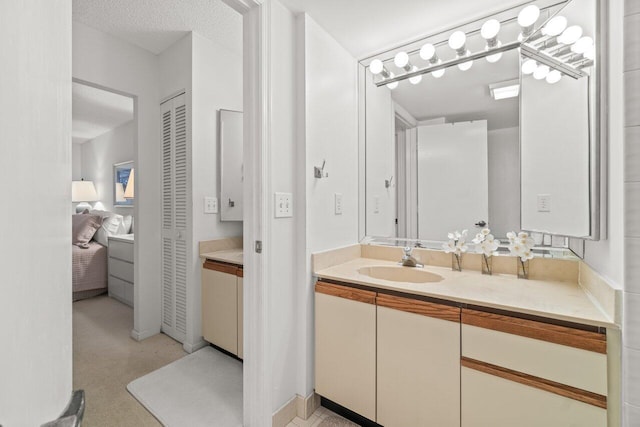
<point x="240" y="317"/>
<point x="492" y="401"/>
<point x="345" y="321"/>
<point x="418" y="368"/>
<point x="220" y="309"/>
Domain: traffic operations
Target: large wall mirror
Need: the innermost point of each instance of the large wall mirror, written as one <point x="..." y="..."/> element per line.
<point x="455" y="136"/>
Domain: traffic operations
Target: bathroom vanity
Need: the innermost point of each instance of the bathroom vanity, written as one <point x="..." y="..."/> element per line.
<point x="222" y="297"/>
<point x="447" y="348"/>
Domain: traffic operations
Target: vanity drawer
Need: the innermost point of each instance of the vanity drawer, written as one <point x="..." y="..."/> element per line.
<point x="121" y="269"/>
<point x="121" y="250"/>
<point x="564" y="355"/>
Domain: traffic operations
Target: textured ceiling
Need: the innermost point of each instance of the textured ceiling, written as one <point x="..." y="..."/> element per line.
<point x="97" y="111"/>
<point x="155" y="25"/>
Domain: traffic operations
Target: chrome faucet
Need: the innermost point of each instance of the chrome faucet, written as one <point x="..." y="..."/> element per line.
<point x="408" y="260"/>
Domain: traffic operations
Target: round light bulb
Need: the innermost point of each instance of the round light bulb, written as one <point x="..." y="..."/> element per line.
<point x="582" y="45"/>
<point x="570" y="35"/>
<point x="528" y="16"/>
<point x="554" y="76"/>
<point x="555" y="26"/>
<point x="541" y="72"/>
<point x="416" y="79"/>
<point x="496" y="56"/>
<point x="529" y="66"/>
<point x="438" y="73"/>
<point x="394" y="84"/>
<point x="427" y="51"/>
<point x="590" y="53"/>
<point x="490" y="29"/>
<point x="401" y="59"/>
<point x="376" y="66"/>
<point x="457" y="40"/>
<point x="465" y="65"/>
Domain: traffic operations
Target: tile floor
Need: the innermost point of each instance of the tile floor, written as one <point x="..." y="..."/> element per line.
<point x="322" y="417"/>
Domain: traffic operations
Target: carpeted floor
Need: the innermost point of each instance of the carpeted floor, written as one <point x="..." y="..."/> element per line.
<point x="106" y="359"/>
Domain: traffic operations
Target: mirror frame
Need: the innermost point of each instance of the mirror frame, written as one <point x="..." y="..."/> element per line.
<point x="598" y="143"/>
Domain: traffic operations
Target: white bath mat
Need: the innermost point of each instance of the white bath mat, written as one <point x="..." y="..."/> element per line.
<point x="201" y="389"/>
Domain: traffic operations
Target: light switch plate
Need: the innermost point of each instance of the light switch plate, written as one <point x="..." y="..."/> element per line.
<point x="337" y="201"/>
<point x="283" y="205"/>
<point x="210" y="205"/>
<point x="544" y="202"/>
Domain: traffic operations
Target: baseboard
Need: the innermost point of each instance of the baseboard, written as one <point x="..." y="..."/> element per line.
<point x="305" y="407"/>
<point x="190" y="348"/>
<point x="285" y="414"/>
<point x="139" y="336"/>
<point x="298" y="406"/>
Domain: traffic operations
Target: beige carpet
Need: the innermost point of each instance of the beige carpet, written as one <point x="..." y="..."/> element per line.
<point x="106" y="359"/>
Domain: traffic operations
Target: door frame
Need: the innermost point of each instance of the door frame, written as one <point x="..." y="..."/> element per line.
<point x="257" y="381"/>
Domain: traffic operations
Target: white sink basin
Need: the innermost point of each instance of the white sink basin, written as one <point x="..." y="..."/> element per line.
<point x="400" y="274"/>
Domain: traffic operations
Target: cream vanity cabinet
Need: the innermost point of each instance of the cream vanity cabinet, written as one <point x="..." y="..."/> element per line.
<point x="530" y="374"/>
<point x="418" y="365"/>
<point x="222" y="306"/>
<point x="391" y="359"/>
<point x="120" y="265"/>
<point x="345" y="321"/>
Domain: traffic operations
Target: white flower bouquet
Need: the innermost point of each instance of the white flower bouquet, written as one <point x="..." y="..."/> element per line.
<point x="487" y="245"/>
<point x="521" y="245"/>
<point x="457" y="245"/>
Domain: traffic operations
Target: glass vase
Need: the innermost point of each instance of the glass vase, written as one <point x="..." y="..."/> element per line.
<point x="456" y="261"/>
<point x="523" y="268"/>
<point x="486" y="264"/>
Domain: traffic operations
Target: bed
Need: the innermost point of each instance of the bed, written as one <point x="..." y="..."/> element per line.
<point x="90" y="252"/>
<point x="89" y="270"/>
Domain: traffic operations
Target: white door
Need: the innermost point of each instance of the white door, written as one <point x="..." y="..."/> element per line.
<point x="453" y="189"/>
<point x="175" y="214"/>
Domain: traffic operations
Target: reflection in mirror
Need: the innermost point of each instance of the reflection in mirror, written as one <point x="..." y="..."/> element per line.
<point x="558" y="123"/>
<point x="231" y="166"/>
<point x="442" y="127"/>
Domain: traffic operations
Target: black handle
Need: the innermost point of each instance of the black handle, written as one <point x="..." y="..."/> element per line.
<point x="481" y="223"/>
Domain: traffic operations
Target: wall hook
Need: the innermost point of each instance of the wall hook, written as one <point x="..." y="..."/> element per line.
<point x="387" y="182"/>
<point x="319" y="172"/>
<point x="231" y="203"/>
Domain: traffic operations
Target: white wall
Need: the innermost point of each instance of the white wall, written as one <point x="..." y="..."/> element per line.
<point x="380" y="160"/>
<point x="76" y="162"/>
<point x="216" y="84"/>
<point x="329" y="128"/>
<point x="504" y="180"/>
<point x="104" y="60"/>
<point x="35" y="301"/>
<point x="98" y="157"/>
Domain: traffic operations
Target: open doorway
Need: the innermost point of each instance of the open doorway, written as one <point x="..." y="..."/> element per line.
<point x="183" y="66"/>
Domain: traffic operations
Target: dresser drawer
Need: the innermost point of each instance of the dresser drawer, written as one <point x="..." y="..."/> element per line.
<point x="121" y="290"/>
<point x="527" y="347"/>
<point x="121" y="250"/>
<point x="121" y="269"/>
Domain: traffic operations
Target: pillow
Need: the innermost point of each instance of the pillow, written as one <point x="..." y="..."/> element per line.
<point x="84" y="228"/>
<point x="128" y="222"/>
<point x="112" y="225"/>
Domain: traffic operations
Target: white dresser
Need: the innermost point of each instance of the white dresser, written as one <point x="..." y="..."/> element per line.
<point x="121" y="268"/>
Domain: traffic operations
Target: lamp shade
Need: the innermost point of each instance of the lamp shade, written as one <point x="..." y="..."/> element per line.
<point x="128" y="192"/>
<point x="83" y="191"/>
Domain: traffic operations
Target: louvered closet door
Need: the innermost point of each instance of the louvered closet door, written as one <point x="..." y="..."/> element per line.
<point x="174" y="217"/>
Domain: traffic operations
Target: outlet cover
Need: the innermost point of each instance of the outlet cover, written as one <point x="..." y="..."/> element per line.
<point x="210" y="205"/>
<point x="283" y="205"/>
<point x="337" y="199"/>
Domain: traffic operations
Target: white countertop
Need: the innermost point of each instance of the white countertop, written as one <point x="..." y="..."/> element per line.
<point x="552" y="299"/>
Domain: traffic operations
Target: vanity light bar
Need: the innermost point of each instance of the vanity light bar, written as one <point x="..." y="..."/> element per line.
<point x="552" y="62"/>
<point x="450" y="63"/>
